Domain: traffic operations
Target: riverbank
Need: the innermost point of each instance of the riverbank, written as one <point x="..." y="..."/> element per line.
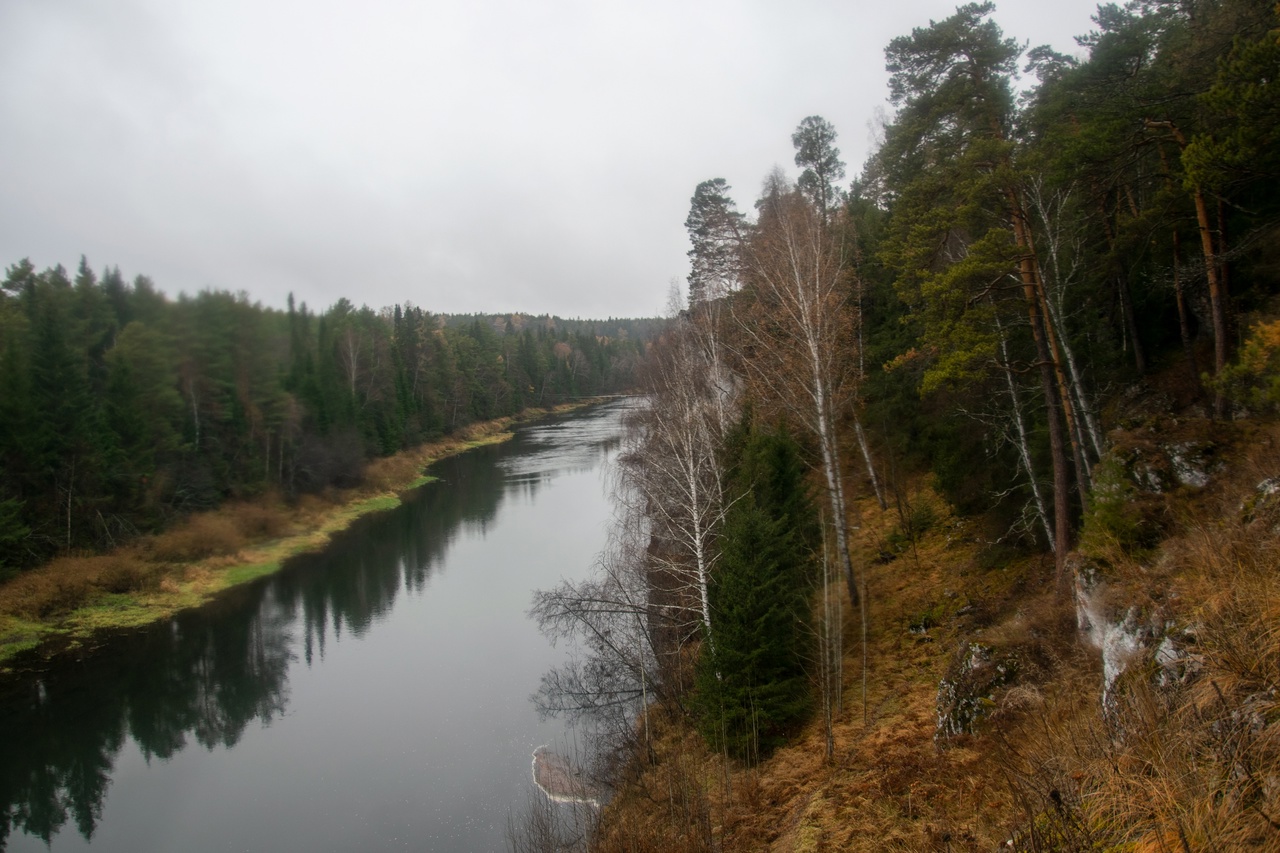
<point x="59" y="607"/>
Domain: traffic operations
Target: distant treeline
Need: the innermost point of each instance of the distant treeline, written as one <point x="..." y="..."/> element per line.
<point x="121" y="408"/>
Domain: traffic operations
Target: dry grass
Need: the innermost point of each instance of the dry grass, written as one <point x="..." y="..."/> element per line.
<point x="265" y="519"/>
<point x="1184" y="764"/>
<point x="386" y="473"/>
<point x="1187" y="757"/>
<point x="668" y="805"/>
<point x="204" y="535"/>
<point x="66" y="583"/>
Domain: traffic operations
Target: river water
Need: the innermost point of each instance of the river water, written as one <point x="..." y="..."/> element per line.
<point x="374" y="697"/>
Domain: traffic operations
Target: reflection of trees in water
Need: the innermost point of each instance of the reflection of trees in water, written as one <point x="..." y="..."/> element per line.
<point x="356" y="580"/>
<point x="204" y="674"/>
<point x="208" y="673"/>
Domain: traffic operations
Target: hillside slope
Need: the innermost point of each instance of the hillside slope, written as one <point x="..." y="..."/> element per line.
<point x="1144" y="715"/>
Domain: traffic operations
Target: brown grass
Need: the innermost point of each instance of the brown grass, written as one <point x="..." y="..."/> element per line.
<point x="66" y="583"/>
<point x="389" y="472"/>
<point x="204" y="535"/>
<point x="668" y="805"/>
<point x="1186" y="758"/>
<point x="1184" y="766"/>
<point x="265" y="519"/>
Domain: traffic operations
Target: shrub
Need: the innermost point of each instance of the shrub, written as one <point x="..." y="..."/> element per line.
<point x="199" y="537"/>
<point x="258" y="520"/>
<point x="58" y="587"/>
<point x="1115" y="523"/>
<point x="122" y="575"/>
<point x="392" y="472"/>
<point x="1254" y="379"/>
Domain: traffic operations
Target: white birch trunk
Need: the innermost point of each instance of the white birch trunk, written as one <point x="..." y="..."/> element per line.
<point x="1024" y="450"/>
<point x="866" y="456"/>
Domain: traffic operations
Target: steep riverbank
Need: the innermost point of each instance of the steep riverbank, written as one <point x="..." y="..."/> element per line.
<point x="57" y="608"/>
<point x="1140" y="714"/>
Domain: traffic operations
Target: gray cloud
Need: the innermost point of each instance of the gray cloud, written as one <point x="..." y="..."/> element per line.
<point x="466" y="156"/>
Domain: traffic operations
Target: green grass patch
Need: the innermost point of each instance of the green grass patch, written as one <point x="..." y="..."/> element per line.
<point x="116" y="601"/>
<point x="252" y="571"/>
<point x="89" y="619"/>
<point x="422" y="480"/>
<point x="379" y="503"/>
<point x="125" y="610"/>
<point x="486" y="440"/>
<point x="18" y="636"/>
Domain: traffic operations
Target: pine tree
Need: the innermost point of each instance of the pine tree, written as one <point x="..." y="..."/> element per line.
<point x="715" y="230"/>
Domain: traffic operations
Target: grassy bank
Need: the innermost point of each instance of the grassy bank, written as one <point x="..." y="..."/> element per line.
<point x="60" y="605"/>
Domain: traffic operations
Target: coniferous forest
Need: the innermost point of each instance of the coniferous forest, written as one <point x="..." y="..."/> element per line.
<point x="122" y="409"/>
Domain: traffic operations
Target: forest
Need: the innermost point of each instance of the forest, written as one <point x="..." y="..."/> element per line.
<point x="950" y="522"/>
<point x="122" y="410"/>
<point x="1049" y="265"/>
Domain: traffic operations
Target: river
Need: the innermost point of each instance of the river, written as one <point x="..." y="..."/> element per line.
<point x="372" y="697"/>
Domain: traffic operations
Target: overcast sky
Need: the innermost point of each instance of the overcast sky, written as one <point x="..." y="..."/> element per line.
<point x="510" y="155"/>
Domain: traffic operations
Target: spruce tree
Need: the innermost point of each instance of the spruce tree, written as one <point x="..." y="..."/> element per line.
<point x="752" y="688"/>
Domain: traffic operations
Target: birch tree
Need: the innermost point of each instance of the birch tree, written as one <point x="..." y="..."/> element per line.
<point x="795" y="330"/>
<point x="611" y="618"/>
<point x="674" y="467"/>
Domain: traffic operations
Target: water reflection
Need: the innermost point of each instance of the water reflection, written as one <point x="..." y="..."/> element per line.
<point x="204" y="676"/>
<point x="207" y="675"/>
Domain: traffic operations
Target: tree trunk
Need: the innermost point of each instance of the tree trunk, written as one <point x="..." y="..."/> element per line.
<point x="1087" y="422"/>
<point x="1184" y="324"/>
<point x="1050" y="388"/>
<point x="866" y="457"/>
<point x="1046" y="344"/>
<point x="1217" y="299"/>
<point x="1213" y="271"/>
<point x="1127" y="317"/>
<point x="835" y="491"/>
<point x="1024" y="450"/>
<point x="1131" y="324"/>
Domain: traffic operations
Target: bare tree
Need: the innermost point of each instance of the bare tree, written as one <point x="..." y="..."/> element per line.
<point x="673" y="464"/>
<point x="635" y="616"/>
<point x="795" y="331"/>
<point x="547" y="826"/>
<point x="610" y="617"/>
<point x="1021" y="440"/>
<point x="1061" y="268"/>
<point x="647" y="597"/>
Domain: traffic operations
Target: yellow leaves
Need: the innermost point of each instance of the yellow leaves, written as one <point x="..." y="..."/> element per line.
<point x="1255" y="377"/>
<point x="912" y="358"/>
